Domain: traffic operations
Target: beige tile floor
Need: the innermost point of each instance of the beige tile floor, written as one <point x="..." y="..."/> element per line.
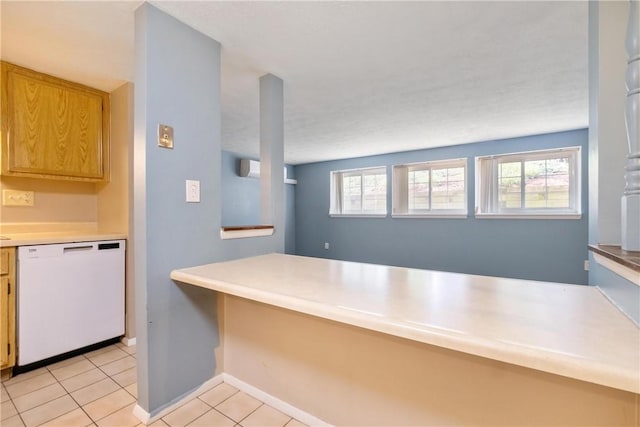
<point x="99" y="389"/>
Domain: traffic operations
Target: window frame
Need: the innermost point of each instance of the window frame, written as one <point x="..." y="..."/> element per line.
<point x="400" y="202"/>
<point x="335" y="205"/>
<point x="487" y="205"/>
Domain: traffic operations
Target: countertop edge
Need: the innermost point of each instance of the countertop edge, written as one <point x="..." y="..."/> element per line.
<point x="62" y="238"/>
<point x="530" y="357"/>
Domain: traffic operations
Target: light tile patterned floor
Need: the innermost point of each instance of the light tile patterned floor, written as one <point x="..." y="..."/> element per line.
<point x="99" y="389"/>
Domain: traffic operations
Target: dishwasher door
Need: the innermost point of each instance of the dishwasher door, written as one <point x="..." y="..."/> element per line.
<point x="69" y="296"/>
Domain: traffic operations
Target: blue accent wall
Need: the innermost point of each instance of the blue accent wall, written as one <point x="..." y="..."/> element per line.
<point x="290" y="214"/>
<point x="180" y="87"/>
<point x="241" y="199"/>
<point x="240" y="196"/>
<point x="177" y="83"/>
<point x="607" y="67"/>
<point x="624" y="294"/>
<point x="547" y="250"/>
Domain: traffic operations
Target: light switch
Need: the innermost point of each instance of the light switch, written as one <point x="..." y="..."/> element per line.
<point x="193" y="191"/>
<point x="165" y="136"/>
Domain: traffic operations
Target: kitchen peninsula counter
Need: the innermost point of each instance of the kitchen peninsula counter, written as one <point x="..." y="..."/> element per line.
<point x="364" y="344"/>
<point x="568" y="330"/>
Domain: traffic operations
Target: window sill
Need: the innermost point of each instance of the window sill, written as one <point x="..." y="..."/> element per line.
<point x="435" y="216"/>
<point x="332" y="215"/>
<point x="242" y="232"/>
<point x="528" y="216"/>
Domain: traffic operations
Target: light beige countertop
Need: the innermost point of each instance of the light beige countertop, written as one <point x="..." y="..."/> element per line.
<point x="42" y="238"/>
<point x="568" y="330"/>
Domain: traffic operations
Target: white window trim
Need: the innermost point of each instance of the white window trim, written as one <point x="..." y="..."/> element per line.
<point x="335" y="205"/>
<point x="432" y="216"/>
<point x="528" y="216"/>
<point x="360" y="215"/>
<point x="524" y="213"/>
<point x="400" y="192"/>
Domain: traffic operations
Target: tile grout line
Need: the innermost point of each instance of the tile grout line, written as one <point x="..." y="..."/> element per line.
<point x="11" y="399"/>
<point x="237" y="423"/>
<point x="110" y="377"/>
<point x="119" y="387"/>
<point x="15" y="407"/>
<point x="34" y="389"/>
<point x="213" y="408"/>
<point x="94" y="422"/>
<point x="219" y="403"/>
<point x="222" y="401"/>
<point x="264" y="404"/>
<point x="249" y="414"/>
<point x="227" y="417"/>
<point x="69" y="394"/>
<point x="210" y="406"/>
<point x="77" y="403"/>
<point x="101" y="370"/>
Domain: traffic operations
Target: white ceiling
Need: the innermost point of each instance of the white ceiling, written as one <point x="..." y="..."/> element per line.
<point x="360" y="78"/>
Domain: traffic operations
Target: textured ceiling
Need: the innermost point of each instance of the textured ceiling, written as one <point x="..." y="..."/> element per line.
<point x="360" y="78"/>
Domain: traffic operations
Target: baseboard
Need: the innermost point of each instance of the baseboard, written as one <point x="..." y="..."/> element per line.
<point x="304" y="417"/>
<point x="128" y="341"/>
<point x="148" y="418"/>
<point x="280" y="405"/>
<point x="141" y="414"/>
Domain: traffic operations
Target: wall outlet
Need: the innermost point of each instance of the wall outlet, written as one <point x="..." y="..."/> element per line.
<point x="586" y="265"/>
<point x="326" y="245"/>
<point x="17" y="198"/>
<point x="193" y="191"/>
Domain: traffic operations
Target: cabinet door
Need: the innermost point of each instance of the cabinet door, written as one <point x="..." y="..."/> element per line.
<point x="7" y="309"/>
<point x="4" y="262"/>
<point x="54" y="128"/>
<point x="4" y="322"/>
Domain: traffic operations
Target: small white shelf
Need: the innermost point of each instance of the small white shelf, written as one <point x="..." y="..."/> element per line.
<point x="245" y="231"/>
<point x="620" y="269"/>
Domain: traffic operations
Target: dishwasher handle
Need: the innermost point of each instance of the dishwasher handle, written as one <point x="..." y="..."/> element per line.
<point x="70" y="249"/>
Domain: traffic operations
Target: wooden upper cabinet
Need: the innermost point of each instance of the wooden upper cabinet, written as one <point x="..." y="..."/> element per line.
<point x="53" y="128"/>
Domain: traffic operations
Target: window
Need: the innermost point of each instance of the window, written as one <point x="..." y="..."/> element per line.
<point x="430" y="189"/>
<point x="360" y="192"/>
<point x="536" y="184"/>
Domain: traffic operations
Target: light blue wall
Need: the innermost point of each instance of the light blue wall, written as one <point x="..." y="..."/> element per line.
<point x="290" y="214"/>
<point x="241" y="198"/>
<point x="622" y="292"/>
<point x="607" y="68"/>
<point x="177" y="83"/>
<point x="549" y="250"/>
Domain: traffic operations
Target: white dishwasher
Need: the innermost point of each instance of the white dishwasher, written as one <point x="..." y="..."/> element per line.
<point x="69" y="296"/>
